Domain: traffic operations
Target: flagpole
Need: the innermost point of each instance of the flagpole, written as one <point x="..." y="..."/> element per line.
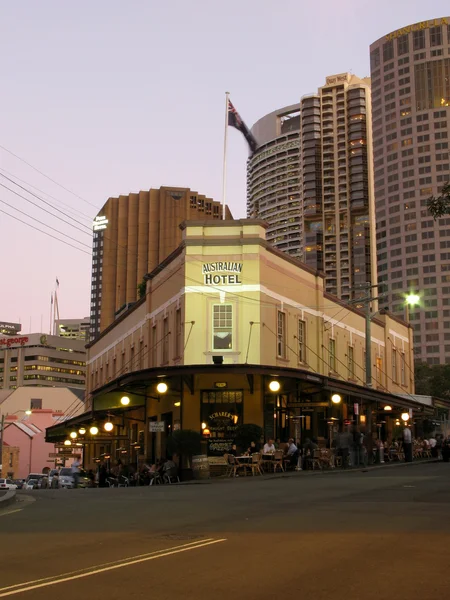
<point x="225" y="142"/>
<point x="51" y="310"/>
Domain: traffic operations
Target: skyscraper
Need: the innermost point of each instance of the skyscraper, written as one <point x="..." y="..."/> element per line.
<point x="132" y="235"/>
<point x="312" y="180"/>
<point x="410" y="71"/>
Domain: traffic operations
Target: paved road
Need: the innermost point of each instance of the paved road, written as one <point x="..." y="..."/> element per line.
<point x="364" y="536"/>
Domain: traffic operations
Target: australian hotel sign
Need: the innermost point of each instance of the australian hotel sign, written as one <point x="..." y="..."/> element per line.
<point x="222" y="273"/>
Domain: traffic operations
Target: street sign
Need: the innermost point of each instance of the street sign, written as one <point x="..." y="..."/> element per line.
<point x="156" y="426"/>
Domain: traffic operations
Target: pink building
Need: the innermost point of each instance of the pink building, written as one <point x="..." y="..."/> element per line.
<point x="28" y="435"/>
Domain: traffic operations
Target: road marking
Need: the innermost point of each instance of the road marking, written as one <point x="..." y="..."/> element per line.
<point x="27" y="586"/>
<point x="114" y="562"/>
<point x="10" y="512"/>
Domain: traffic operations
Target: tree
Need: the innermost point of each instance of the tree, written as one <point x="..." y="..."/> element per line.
<point x="432" y="380"/>
<point x="247" y="433"/>
<point x="438" y="206"/>
<point x="142" y="289"/>
<point x="184" y="442"/>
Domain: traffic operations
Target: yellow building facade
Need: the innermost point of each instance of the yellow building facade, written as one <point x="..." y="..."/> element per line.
<point x="225" y="315"/>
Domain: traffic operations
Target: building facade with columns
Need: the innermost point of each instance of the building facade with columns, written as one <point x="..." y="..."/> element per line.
<point x="225" y="315"/>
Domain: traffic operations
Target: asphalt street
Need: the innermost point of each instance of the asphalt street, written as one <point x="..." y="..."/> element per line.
<point x="373" y="535"/>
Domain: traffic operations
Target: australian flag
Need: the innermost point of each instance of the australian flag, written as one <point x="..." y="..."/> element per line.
<point x="234" y="120"/>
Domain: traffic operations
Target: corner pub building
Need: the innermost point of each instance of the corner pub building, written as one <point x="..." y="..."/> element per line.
<point x="224" y="317"/>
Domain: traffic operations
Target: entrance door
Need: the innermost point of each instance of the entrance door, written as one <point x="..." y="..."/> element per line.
<point x="168" y="425"/>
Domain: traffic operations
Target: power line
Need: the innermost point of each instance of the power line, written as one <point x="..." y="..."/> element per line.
<point x="48" y="204"/>
<point x="47" y="177"/>
<point x="71" y="208"/>
<point x="42" y="223"/>
<point x="45" y="232"/>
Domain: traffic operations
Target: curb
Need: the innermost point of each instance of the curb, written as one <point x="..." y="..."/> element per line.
<point x="8" y="498"/>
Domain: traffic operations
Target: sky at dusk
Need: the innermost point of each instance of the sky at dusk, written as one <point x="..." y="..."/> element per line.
<point x="110" y="97"/>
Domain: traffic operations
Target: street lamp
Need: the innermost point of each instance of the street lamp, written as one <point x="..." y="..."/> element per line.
<point x="336" y="398"/>
<point x="93" y="430"/>
<point x="405" y="417"/>
<point x="274" y="386"/>
<point x="412" y="299"/>
<point x="125" y="401"/>
<point x="162" y="387"/>
<point x="108" y="426"/>
<point x="73" y="435"/>
<point x="82" y="430"/>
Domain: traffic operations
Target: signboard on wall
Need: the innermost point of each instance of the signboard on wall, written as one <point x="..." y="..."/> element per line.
<point x="222" y="273"/>
<point x="157" y="426"/>
<point x="222" y="426"/>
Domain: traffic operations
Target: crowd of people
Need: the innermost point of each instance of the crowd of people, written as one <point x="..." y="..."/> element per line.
<point x="161" y="471"/>
<point x="351" y="447"/>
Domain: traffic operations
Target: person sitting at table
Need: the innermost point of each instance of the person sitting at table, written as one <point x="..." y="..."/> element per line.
<point x="253" y="448"/>
<point x="233" y="450"/>
<point x="308" y="451"/>
<point x="292" y="452"/>
<point x="269" y="447"/>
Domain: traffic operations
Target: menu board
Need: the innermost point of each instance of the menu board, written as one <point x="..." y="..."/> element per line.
<point x="222" y="427"/>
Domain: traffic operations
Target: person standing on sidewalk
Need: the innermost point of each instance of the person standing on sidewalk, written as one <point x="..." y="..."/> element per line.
<point x="76" y="471"/>
<point x="407" y="444"/>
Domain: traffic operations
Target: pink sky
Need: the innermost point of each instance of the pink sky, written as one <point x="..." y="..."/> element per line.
<point x="110" y="97"/>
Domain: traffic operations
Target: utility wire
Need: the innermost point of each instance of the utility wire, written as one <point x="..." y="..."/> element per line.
<point x="47" y="177"/>
<point x="49" y="204"/>
<point x="42" y="223"/>
<point x="68" y="206"/>
<point x="45" y="232"/>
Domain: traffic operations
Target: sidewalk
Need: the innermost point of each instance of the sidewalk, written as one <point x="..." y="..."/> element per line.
<point x="311" y="473"/>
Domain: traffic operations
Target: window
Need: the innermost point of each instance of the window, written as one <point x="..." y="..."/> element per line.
<point x="178" y="329"/>
<point x="419" y="40"/>
<point x="281" y="334"/>
<point x="141" y="354"/>
<point x="379" y="364"/>
<point x="332" y="354"/>
<point x="402" y="45"/>
<point x="36" y="403"/>
<point x="165" y="352"/>
<point x="436" y="36"/>
<point x="350" y="362"/>
<point x="301" y="341"/>
<point x="131" y="358"/>
<point x="154" y="347"/>
<point x="394" y="365"/>
<point x="403" y="368"/>
<point x="222" y="327"/>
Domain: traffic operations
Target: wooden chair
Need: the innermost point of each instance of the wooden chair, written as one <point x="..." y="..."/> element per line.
<point x="235" y="465"/>
<point x="278" y="461"/>
<point x="228" y="467"/>
<point x="314" y="460"/>
<point x="255" y="465"/>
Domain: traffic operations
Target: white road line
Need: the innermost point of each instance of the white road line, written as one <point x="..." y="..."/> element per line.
<point x="27" y="587"/>
<point x="108" y="564"/>
<point x="10" y="512"/>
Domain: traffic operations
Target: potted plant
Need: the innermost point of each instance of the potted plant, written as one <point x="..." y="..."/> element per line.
<point x="186" y="443"/>
<point x="247" y="433"/>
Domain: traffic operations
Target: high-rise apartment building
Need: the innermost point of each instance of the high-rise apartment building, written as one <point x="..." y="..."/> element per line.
<point x="133" y="234"/>
<point x="311" y="179"/>
<point x="410" y="71"/>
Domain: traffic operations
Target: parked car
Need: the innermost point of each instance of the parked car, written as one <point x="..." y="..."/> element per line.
<point x="66" y="478"/>
<point x="7" y="484"/>
<point x="31" y="484"/>
<point x="19" y="482"/>
<point x="36" y="476"/>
